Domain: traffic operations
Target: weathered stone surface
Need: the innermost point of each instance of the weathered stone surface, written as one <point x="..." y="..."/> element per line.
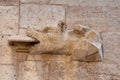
<point x="66" y="2"/>
<point x="33" y="15"/>
<point x="84" y="3"/>
<point x="35" y="1"/>
<point x="22" y="56"/>
<point x="22" y="32"/>
<point x="46" y="70"/>
<point x="48" y="57"/>
<point x="6" y="53"/>
<point x="21" y="38"/>
<point x="90" y="16"/>
<point x="76" y="72"/>
<point x="9" y="2"/>
<point x="7" y="72"/>
<point x="102" y="15"/>
<point x="100" y="19"/>
<point x="111" y="44"/>
<point x="8" y="20"/>
<point x="94" y="70"/>
<point x="113" y="18"/>
<point x="80" y="42"/>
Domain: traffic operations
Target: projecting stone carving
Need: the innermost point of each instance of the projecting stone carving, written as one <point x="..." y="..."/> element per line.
<point x="80" y="42"/>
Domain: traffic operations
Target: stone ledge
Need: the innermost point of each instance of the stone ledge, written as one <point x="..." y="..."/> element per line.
<point x="22" y="44"/>
<point x="18" y="38"/>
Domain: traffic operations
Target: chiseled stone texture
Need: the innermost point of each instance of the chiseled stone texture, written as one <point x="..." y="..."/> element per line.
<point x="91" y="3"/>
<point x="102" y="70"/>
<point x="9" y="2"/>
<point x="34" y="15"/>
<point x="35" y="1"/>
<point x="22" y="31"/>
<point x="113" y="18"/>
<point x="93" y="17"/>
<point x="102" y="15"/>
<point x="81" y="42"/>
<point x="66" y="2"/>
<point x="68" y="70"/>
<point x="8" y="20"/>
<point x="111" y="44"/>
<point x="101" y="18"/>
<point x="7" y="56"/>
<point x="46" y="70"/>
<point x="7" y="72"/>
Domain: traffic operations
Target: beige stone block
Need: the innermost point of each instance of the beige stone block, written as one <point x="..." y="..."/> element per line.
<point x="7" y="59"/>
<point x="48" y="57"/>
<point x="35" y="1"/>
<point x="105" y="67"/>
<point x="105" y="77"/>
<point x="45" y="70"/>
<point x="113" y="18"/>
<point x="80" y="51"/>
<point x="9" y="2"/>
<point x="22" y="56"/>
<point x="62" y="2"/>
<point x="8" y="20"/>
<point x="7" y="72"/>
<point x="111" y="44"/>
<point x="22" y="32"/>
<point x="37" y="16"/>
<point x="84" y="3"/>
<point x="79" y="42"/>
<point x="7" y="56"/>
<point x="100" y="3"/>
<point x="104" y="70"/>
<point x="76" y="71"/>
<point x="66" y="2"/>
<point x="88" y="16"/>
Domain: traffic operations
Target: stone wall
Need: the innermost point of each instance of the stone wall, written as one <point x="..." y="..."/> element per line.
<point x="16" y="16"/>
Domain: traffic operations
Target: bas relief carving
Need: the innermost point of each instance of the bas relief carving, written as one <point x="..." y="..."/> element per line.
<point x="79" y="42"/>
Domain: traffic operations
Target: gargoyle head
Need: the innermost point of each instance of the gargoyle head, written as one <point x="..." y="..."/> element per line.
<point x="80" y="42"/>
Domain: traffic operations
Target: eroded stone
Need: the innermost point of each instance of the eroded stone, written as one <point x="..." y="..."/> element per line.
<point x="8" y="20"/>
<point x="81" y="42"/>
<point x="9" y="2"/>
<point x="33" y="15"/>
<point x="7" y="72"/>
<point x="35" y="1"/>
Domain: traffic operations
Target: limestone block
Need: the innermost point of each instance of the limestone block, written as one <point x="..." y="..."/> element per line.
<point x="42" y="70"/>
<point x="9" y="2"/>
<point x="22" y="56"/>
<point x="8" y="20"/>
<point x="6" y="53"/>
<point x="48" y="57"/>
<point x="21" y="38"/>
<point x="90" y="16"/>
<point x="81" y="42"/>
<point x="105" y="77"/>
<point x="80" y="73"/>
<point x="35" y="1"/>
<point x="99" y="70"/>
<point x="33" y="15"/>
<point x="7" y="72"/>
<point x="111" y="44"/>
<point x="91" y="3"/>
<point x="112" y="18"/>
<point x="94" y="17"/>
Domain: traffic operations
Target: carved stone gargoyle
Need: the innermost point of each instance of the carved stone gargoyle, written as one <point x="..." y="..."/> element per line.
<point x="80" y="42"/>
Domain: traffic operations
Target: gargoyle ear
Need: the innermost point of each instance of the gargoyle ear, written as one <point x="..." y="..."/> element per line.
<point x="62" y="25"/>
